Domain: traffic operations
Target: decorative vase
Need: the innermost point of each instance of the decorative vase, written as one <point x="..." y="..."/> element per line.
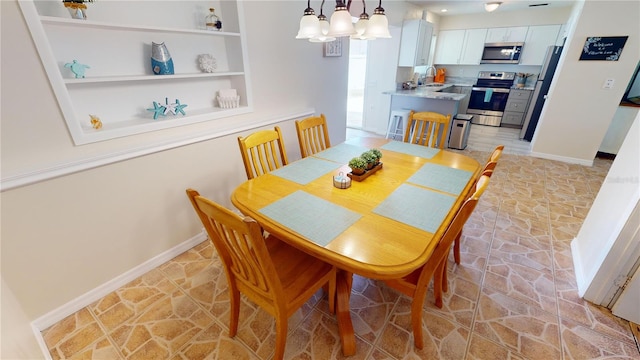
<point x="76" y="10"/>
<point x="161" y="62"/>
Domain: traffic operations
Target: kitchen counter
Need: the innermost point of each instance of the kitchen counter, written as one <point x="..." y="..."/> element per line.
<point x="430" y="92"/>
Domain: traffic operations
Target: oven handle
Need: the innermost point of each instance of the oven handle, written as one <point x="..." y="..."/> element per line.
<point x="498" y="90"/>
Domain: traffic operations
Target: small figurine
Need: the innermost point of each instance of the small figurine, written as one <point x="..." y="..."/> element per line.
<point x="77" y="69"/>
<point x="95" y="122"/>
<point x="207" y="63"/>
<point x="158" y="110"/>
<point x="176" y="108"/>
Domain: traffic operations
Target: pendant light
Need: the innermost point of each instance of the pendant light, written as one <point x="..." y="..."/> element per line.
<point x="361" y="25"/>
<point x="309" y="24"/>
<point x="324" y="28"/>
<point x="378" y="26"/>
<point x="340" y="24"/>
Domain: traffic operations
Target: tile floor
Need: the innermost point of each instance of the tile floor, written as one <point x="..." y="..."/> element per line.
<point x="513" y="297"/>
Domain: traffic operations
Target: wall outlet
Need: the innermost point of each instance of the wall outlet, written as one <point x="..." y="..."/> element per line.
<point x="608" y="83"/>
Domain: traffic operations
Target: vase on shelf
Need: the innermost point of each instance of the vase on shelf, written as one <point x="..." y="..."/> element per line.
<point x="77" y="10"/>
<point x="161" y="62"/>
<point x="212" y="21"/>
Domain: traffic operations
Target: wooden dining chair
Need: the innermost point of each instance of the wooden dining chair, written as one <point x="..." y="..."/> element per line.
<point x="425" y="126"/>
<point x="274" y="275"/>
<point x="313" y="135"/>
<point x="487" y="170"/>
<point x="262" y="152"/>
<point x="415" y="284"/>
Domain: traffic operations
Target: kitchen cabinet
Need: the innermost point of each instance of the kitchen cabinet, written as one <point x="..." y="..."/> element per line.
<point x="472" y="46"/>
<point x="415" y="43"/>
<point x="463" y="105"/>
<point x="516" y="107"/>
<point x="449" y="46"/>
<point x="506" y="34"/>
<point x="462" y="47"/>
<point x="119" y="86"/>
<point x="538" y="40"/>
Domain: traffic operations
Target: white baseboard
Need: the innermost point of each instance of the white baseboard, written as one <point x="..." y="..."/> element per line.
<point x="101" y="291"/>
<point x="562" y="158"/>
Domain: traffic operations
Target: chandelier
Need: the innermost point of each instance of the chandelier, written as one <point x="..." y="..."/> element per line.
<point x="319" y="29"/>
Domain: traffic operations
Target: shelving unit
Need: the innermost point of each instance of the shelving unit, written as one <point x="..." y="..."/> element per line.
<point x="119" y="86"/>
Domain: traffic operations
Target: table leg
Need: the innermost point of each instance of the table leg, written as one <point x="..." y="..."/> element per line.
<point x="345" y="327"/>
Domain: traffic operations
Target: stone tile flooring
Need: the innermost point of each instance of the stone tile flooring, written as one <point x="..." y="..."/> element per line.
<point x="513" y="297"/>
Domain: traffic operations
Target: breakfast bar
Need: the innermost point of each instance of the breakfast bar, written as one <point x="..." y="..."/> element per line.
<point x="427" y="98"/>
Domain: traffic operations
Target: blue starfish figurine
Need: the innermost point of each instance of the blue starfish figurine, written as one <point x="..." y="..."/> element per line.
<point x="158" y="110"/>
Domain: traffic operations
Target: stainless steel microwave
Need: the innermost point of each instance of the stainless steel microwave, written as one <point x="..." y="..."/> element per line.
<point x="502" y="53"/>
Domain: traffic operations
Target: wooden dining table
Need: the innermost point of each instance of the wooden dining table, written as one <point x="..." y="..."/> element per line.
<point x="382" y="227"/>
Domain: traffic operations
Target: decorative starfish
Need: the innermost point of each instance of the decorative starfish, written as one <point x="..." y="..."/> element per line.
<point x="169" y="107"/>
<point x="178" y="108"/>
<point x="158" y="110"/>
<point x="76" y="68"/>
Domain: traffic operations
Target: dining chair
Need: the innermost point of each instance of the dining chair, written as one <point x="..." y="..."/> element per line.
<point x="415" y="284"/>
<point x="262" y="152"/>
<point x="274" y="275"/>
<point x="313" y="135"/>
<point x="422" y="125"/>
<point x="488" y="169"/>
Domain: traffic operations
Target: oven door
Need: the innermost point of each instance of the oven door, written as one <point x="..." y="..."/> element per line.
<point x="487" y="105"/>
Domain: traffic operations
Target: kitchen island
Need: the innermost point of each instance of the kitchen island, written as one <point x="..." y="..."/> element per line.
<point x="427" y="98"/>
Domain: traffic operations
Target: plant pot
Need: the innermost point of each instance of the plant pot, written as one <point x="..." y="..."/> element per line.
<point x="358" y="171"/>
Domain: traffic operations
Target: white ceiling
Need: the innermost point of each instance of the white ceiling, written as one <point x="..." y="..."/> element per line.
<point x="458" y="7"/>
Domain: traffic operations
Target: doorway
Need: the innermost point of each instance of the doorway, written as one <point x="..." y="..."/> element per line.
<point x="356" y="83"/>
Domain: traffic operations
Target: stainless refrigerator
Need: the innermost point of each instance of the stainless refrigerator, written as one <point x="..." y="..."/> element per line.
<point x="540" y="92"/>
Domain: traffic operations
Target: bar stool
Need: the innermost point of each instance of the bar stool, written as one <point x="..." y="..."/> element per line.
<point x="397" y="124"/>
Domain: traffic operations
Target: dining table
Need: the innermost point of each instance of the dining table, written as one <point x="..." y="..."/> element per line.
<point x="382" y="227"/>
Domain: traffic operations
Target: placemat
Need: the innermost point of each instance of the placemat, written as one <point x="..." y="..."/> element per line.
<point x="341" y="153"/>
<point x="418" y="207"/>
<point x="305" y="170"/>
<point x="310" y="216"/>
<point x="411" y="149"/>
<point x="441" y="178"/>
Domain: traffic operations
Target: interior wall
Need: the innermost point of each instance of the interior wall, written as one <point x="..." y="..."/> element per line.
<point x="536" y="16"/>
<point x="571" y="128"/>
<point x="65" y="236"/>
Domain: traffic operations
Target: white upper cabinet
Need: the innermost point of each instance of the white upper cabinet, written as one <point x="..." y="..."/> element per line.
<point x="449" y="46"/>
<point x="472" y="47"/>
<point x="415" y="43"/>
<point x="119" y="86"/>
<point x="507" y="34"/>
<point x="539" y="38"/>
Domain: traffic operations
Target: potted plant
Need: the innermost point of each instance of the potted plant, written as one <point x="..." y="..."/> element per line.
<point x="358" y="165"/>
<point x="370" y="158"/>
<point x="77" y="8"/>
<point x="378" y="155"/>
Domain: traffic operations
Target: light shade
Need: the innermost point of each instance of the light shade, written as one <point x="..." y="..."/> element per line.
<point x="340" y="24"/>
<point x="309" y="27"/>
<point x="378" y="26"/>
<point x="491" y="6"/>
<point x="361" y="27"/>
<point x="324" y="30"/>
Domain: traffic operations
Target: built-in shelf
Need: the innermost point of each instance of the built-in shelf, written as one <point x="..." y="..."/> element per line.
<point x="119" y="85"/>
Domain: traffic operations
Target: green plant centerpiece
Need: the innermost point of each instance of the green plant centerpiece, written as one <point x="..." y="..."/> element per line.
<point x="370" y="158"/>
<point x="358" y="165"/>
<point x="378" y="155"/>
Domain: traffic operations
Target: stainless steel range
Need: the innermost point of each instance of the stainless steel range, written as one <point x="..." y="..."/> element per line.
<point x="489" y="97"/>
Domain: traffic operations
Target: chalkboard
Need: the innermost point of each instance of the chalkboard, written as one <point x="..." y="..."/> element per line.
<point x="606" y="48"/>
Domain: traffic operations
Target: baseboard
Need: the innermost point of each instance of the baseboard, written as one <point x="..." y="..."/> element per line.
<point x="101" y="291"/>
<point x="562" y="158"/>
<point x="577" y="268"/>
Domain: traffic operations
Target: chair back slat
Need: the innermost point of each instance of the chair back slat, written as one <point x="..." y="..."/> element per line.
<point x="262" y="152"/>
<point x="427" y="128"/>
<point x="313" y="135"/>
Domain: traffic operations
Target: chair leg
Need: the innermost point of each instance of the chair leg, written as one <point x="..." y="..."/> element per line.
<point x="234" y="300"/>
<point x="416" y="321"/>
<point x="281" y="336"/>
<point x="456" y="248"/>
<point x="439" y="282"/>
